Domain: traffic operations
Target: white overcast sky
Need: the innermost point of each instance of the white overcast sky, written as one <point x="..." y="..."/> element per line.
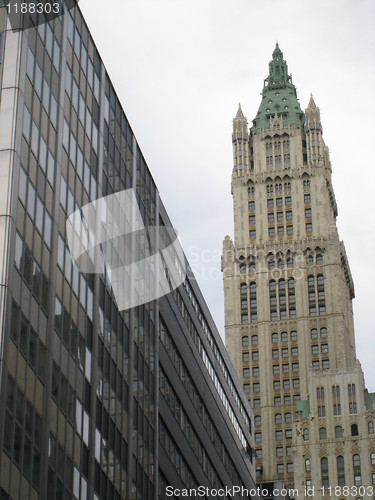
<point x="180" y="68"/>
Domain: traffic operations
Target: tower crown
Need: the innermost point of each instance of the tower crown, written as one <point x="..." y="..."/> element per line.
<point x="279" y="96"/>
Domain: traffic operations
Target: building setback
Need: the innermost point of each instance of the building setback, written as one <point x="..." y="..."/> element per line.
<point x="288" y="302"/>
<point x="96" y="403"/>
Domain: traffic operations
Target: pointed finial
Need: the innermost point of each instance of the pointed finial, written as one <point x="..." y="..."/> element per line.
<point x="311" y="102"/>
<point x="239" y="114"/>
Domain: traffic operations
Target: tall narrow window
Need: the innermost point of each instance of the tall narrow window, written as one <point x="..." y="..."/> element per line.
<point x="245" y="341"/>
<point x="321" y="297"/>
<point x="357" y="470"/>
<point x="336" y="400"/>
<point x="352" y="399"/>
<point x="340" y="471"/>
<point x="338" y="431"/>
<point x="324" y="471"/>
<point x="253" y="303"/>
<point x="320" y="398"/>
<point x="306" y="434"/>
<point x="282" y="299"/>
<point x="371" y="427"/>
<point x="322" y="433"/>
<point x="307" y="465"/>
<point x="312" y="295"/>
<point x="273" y="300"/>
<point x="292" y="298"/>
<point x="354" y="430"/>
<point x="244" y="307"/>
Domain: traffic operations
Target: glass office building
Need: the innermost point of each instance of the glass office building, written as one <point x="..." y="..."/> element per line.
<point x="96" y="403"/>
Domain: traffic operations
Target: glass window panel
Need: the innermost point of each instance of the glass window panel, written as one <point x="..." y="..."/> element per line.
<point x="66" y="134"/>
<point x="39" y="215"/>
<point x="34" y="139"/>
<point x="53" y="112"/>
<point x="46" y="94"/>
<point x="30" y="64"/>
<point x="56" y="55"/>
<point x="47" y="229"/>
<point x="63" y="191"/>
<point x="26" y="123"/>
<point x="49" y="40"/>
<point x="18" y="252"/>
<point x="75" y="95"/>
<point x="31" y="200"/>
<point x="38" y="81"/>
<point x="51" y="169"/>
<point x="22" y="186"/>
<point x="43" y="154"/>
<point x="90" y="73"/>
<point x="60" y="252"/>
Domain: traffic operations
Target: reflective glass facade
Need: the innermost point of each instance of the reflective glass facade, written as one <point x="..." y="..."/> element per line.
<point x="95" y="402"/>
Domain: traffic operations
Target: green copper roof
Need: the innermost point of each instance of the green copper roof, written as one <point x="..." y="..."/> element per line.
<point x="279" y="96"/>
<point x="369" y="399"/>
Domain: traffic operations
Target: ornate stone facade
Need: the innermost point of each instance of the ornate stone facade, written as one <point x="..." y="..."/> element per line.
<point x="288" y="300"/>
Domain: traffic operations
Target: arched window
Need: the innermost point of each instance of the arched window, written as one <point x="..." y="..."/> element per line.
<point x="307" y="465"/>
<point x="289" y="262"/>
<point x="273" y="286"/>
<point x="245" y="341"/>
<point x="306" y="434"/>
<point x="314" y="333"/>
<point x="372" y="458"/>
<point x="310" y="281"/>
<point x="280" y="264"/>
<point x="257" y="420"/>
<point x="252" y="266"/>
<point x="338" y="431"/>
<point x="322" y="433"/>
<point x="271" y="264"/>
<point x="341" y="471"/>
<point x="310" y="260"/>
<point x="357" y="469"/>
<point x="275" y="337"/>
<point x="254" y="340"/>
<point x="284" y="337"/>
<point x="323" y="332"/>
<point x="278" y="418"/>
<point x="288" y="417"/>
<point x="324" y="471"/>
<point x="371" y="427"/>
<point x="293" y="335"/>
<point x="320" y="280"/>
<point x="319" y="259"/>
<point x="354" y="429"/>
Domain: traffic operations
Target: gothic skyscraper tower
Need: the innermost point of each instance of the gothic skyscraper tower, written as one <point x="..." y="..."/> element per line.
<point x="288" y="299"/>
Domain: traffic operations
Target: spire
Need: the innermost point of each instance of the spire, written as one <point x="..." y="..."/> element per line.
<point x="239" y="115"/>
<point x="311" y="104"/>
<point x="312" y="112"/>
<point x="240" y="122"/>
<point x="279" y="96"/>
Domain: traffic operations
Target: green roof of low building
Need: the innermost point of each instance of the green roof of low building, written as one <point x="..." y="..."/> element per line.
<point x="369" y="400"/>
<point x="279" y="96"/>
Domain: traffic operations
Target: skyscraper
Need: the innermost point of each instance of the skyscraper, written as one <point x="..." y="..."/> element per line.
<point x="96" y="402"/>
<point x="288" y="300"/>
